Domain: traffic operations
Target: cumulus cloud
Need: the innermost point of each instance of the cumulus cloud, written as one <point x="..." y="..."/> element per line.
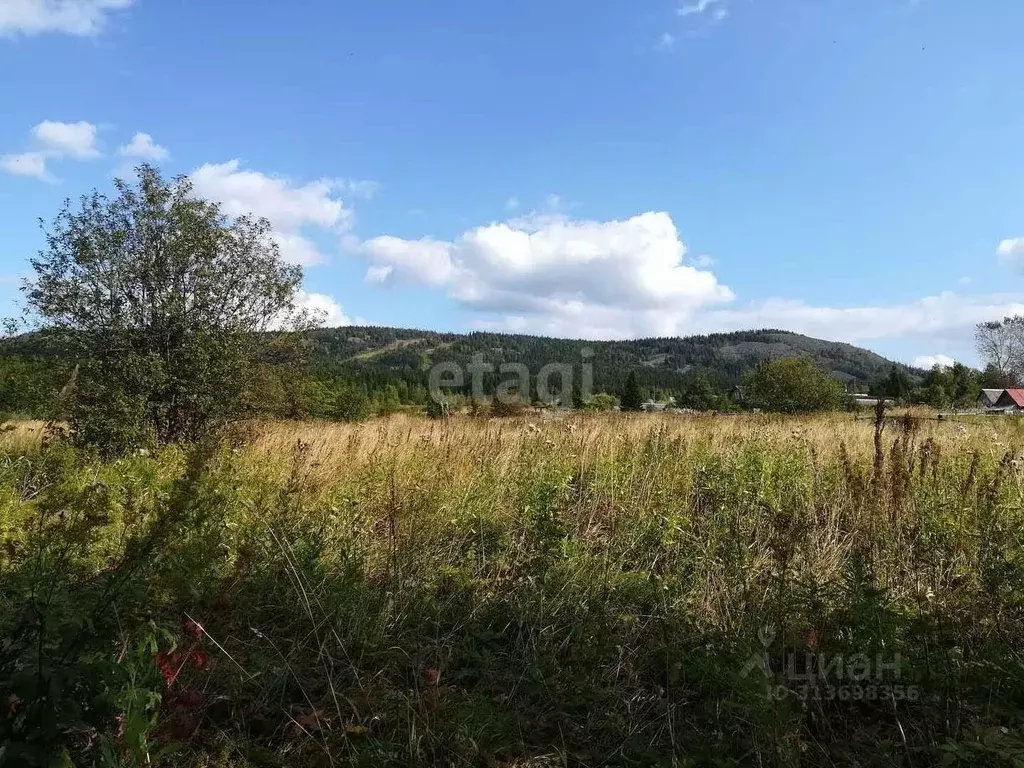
<point x="52" y="140"/>
<point x="76" y="140"/>
<point x="26" y="164"/>
<point x="583" y="278"/>
<point x="328" y="310"/>
<point x="72" y="17"/>
<point x="1011" y="251"/>
<point x="142" y="146"/>
<point x="930" y="361"/>
<point x="291" y="208"/>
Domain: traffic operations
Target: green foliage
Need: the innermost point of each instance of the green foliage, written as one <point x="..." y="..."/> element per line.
<point x="438" y="409"/>
<point x="701" y="394"/>
<point x="792" y="385"/>
<point x="382" y="359"/>
<point x="602" y="401"/>
<point x="351" y="403"/>
<point x="484" y="594"/>
<point x="897" y="385"/>
<point x="166" y="304"/>
<point x="632" y="396"/>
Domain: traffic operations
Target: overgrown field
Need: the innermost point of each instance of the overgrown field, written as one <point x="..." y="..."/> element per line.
<point x="603" y="591"/>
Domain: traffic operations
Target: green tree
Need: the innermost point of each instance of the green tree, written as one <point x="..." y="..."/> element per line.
<point x="166" y="302"/>
<point x="387" y="401"/>
<point x="792" y="385"/>
<point x="632" y="397"/>
<point x="701" y="395"/>
<point x="602" y="401"/>
<point x="352" y="403"/>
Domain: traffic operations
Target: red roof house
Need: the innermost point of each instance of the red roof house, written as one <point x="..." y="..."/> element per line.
<point x="1011" y="398"/>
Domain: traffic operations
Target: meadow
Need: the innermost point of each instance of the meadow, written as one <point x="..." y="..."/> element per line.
<point x="603" y="590"/>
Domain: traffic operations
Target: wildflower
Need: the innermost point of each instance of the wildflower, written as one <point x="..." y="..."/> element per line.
<point x="194" y="628"/>
<point x="432" y="675"/>
<point x="812" y="639"/>
<point x="170" y="665"/>
<point x="200" y="659"/>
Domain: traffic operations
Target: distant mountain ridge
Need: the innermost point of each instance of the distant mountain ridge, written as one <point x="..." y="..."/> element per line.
<point x="661" y="362"/>
<point x="382" y="353"/>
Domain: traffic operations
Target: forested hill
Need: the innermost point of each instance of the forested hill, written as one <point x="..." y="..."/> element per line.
<point x="664" y="362"/>
<point x="392" y="366"/>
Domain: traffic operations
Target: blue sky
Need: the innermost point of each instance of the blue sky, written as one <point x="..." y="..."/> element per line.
<point x="602" y="169"/>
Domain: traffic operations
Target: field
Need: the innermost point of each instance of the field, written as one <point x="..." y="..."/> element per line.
<point x="596" y="591"/>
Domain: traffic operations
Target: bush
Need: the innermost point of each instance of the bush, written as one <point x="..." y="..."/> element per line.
<point x="793" y="385"/>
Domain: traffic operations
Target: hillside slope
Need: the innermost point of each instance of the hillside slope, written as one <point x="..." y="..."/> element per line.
<point x="662" y="362"/>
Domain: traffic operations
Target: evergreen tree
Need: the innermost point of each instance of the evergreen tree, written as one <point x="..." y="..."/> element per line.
<point x="632" y="397"/>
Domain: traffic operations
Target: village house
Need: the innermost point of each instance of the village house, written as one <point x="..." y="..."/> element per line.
<point x="1011" y="400"/>
<point x="989" y="398"/>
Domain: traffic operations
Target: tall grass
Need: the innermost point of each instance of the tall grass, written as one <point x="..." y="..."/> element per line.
<point x="604" y="590"/>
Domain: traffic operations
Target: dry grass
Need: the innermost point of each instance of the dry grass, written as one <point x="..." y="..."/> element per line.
<point x="578" y="591"/>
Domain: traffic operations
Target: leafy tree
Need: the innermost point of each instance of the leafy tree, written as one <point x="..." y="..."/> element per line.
<point x="438" y="409"/>
<point x="387" y="401"/>
<point x="165" y="301"/>
<point x="632" y="397"/>
<point x="1000" y="345"/>
<point x="897" y="385"/>
<point x="602" y="401"/>
<point x="792" y="385"/>
<point x="701" y="395"/>
<point x="352" y="404"/>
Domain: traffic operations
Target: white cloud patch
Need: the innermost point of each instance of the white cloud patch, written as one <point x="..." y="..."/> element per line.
<point x="580" y="278"/>
<point x="76" y="140"/>
<point x="142" y="146"/>
<point x="291" y="208"/>
<point x="324" y="306"/>
<point x="26" y="164"/>
<point x="715" y="9"/>
<point x="1011" y="252"/>
<point x="930" y="361"/>
<point x="948" y="316"/>
<point x="72" y="17"/>
<point x="53" y="140"/>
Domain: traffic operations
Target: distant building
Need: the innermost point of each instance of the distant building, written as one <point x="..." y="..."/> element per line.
<point x="1011" y="400"/>
<point x="652" y="407"/>
<point x="989" y="398"/>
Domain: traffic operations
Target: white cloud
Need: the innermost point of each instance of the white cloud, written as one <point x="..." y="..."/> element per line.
<point x="76" y="140"/>
<point x="666" y="41"/>
<point x="329" y="310"/>
<point x="53" y="140"/>
<point x="512" y="203"/>
<point x="930" y="361"/>
<point x="1011" y="251"/>
<point x="26" y="164"/>
<point x="290" y="208"/>
<point x="142" y="146"/>
<point x="395" y="260"/>
<point x="947" y="316"/>
<point x="700" y="7"/>
<point x="73" y="17"/>
<point x="580" y="278"/>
